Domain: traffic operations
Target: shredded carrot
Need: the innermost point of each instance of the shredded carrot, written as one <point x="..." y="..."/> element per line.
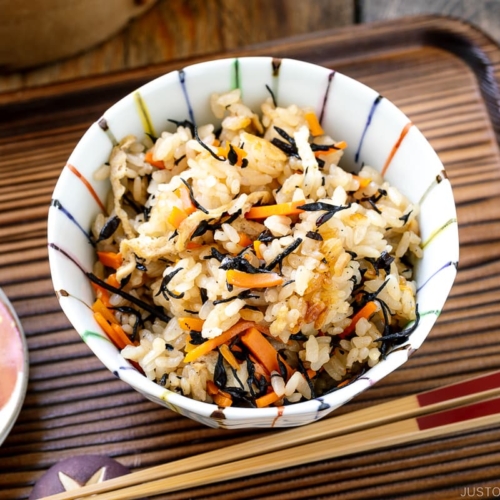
<point x="191" y="245"/>
<point x="101" y="293"/>
<point x="189" y="324"/>
<point x="98" y="306"/>
<point x="288" y="208"/>
<point x="176" y="216"/>
<point x="229" y="356"/>
<point x="212" y="389"/>
<point x="187" y="204"/>
<point x="121" y="336"/>
<point x="256" y="247"/>
<point x="338" y="145"/>
<point x="311" y="373"/>
<point x="221" y="400"/>
<point x="365" y="312"/>
<point x="267" y="400"/>
<point x="110" y="259"/>
<point x="344" y="383"/>
<point x="111" y="280"/>
<point x="148" y="158"/>
<point x="314" y="126"/>
<point x="189" y="347"/>
<point x="245" y="241"/>
<point x="115" y="332"/>
<point x="211" y="344"/>
<point x="260" y="370"/>
<point x="263" y="351"/>
<point x="240" y="153"/>
<point x="247" y="280"/>
<point x="363" y="181"/>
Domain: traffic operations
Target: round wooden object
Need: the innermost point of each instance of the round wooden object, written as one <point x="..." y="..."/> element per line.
<point x="41" y="31"/>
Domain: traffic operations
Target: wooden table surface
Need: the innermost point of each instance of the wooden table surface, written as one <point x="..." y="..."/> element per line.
<point x="445" y="76"/>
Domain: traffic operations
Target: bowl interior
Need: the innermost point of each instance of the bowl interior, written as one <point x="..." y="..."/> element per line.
<point x="378" y="134"/>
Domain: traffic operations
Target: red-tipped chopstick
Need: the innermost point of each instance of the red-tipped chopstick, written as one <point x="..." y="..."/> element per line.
<point x="461" y="406"/>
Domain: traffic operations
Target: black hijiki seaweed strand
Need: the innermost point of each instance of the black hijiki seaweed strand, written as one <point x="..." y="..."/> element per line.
<point x="239" y="263"/>
<point x="138" y="319"/>
<point x="139" y="263"/>
<point x="272" y="95"/>
<point x="329" y="209"/>
<point x="278" y="260"/>
<point x="192" y="198"/>
<point x="205" y="225"/>
<point x="404" y="217"/>
<point x="109" y="228"/>
<point x="138" y="302"/>
<point x="163" y="290"/>
<point x="207" y="148"/>
<point x="185" y="124"/>
<point x="245" y="294"/>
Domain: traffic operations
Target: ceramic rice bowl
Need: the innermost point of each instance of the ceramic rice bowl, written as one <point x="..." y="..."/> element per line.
<point x="378" y="134"/>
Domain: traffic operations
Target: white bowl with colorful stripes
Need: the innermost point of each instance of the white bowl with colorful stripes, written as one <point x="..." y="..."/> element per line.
<point x="378" y="134"/>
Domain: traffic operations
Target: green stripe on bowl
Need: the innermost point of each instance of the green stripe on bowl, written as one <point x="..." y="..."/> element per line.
<point x="143" y="112"/>
<point x="438" y="231"/>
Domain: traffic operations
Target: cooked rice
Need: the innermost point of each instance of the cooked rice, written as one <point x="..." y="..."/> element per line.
<point x="363" y="251"/>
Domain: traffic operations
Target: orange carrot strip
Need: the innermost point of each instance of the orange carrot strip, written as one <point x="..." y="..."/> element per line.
<point x="245" y="241"/>
<point x="229" y="356"/>
<point x="148" y="158"/>
<point x="223" y="150"/>
<point x="363" y="181"/>
<point x="263" y="351"/>
<point x="240" y="153"/>
<point x="311" y="373"/>
<point x="256" y="247"/>
<point x="338" y="145"/>
<point x="176" y="216"/>
<point x="114" y="332"/>
<point x="365" y="312"/>
<point x="101" y="293"/>
<point x="263" y="329"/>
<point x="212" y="389"/>
<point x="211" y="344"/>
<point x="259" y="368"/>
<point x="288" y="208"/>
<point x="267" y="400"/>
<point x="221" y="400"/>
<point x="314" y="126"/>
<point x="189" y="324"/>
<point x="98" y="306"/>
<point x="187" y="203"/>
<point x="247" y="280"/>
<point x="192" y="245"/>
<point x="111" y="280"/>
<point x="110" y="259"/>
<point x="189" y="347"/>
<point x="121" y="336"/>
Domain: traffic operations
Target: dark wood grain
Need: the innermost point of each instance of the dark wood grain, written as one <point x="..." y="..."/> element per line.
<point x="444" y="75"/>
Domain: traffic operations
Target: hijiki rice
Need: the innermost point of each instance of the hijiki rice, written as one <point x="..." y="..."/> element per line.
<point x="242" y="266"/>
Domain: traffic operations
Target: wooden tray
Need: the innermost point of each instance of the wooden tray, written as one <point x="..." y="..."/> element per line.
<point x="444" y="75"/>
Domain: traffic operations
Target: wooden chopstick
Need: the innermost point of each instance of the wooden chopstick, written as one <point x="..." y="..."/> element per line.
<point x="390" y="423"/>
<point x="458" y="419"/>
